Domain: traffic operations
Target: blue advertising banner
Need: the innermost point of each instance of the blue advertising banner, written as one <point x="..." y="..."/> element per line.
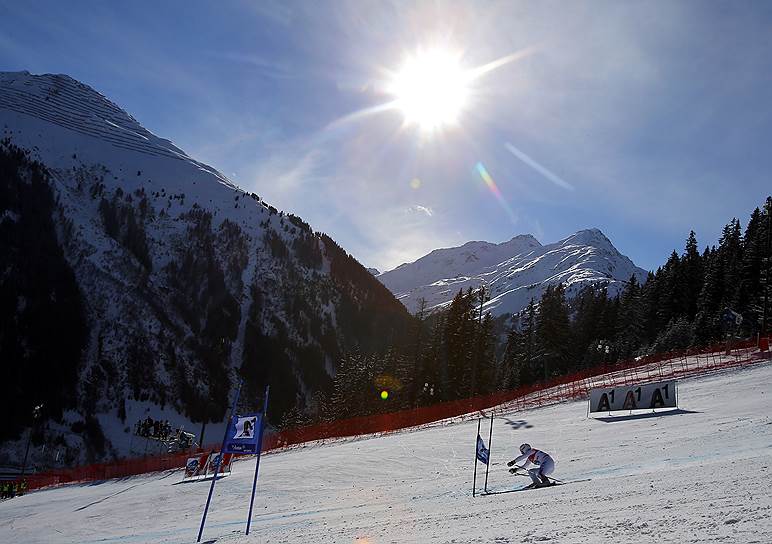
<point x="243" y="434"/>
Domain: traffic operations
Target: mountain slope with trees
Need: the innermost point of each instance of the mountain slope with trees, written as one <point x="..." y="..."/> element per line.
<point x="136" y="281"/>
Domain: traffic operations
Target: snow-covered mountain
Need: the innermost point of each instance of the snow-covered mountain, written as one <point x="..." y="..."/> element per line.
<point x="177" y="282"/>
<point x="515" y="271"/>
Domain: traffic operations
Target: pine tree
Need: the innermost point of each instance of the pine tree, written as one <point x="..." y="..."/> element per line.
<point x="553" y="331"/>
<point x="679" y="334"/>
<point x="460" y="344"/>
<point x="415" y="382"/>
<point x="584" y="323"/>
<point x="691" y="277"/>
<point x="765" y="278"/>
<point x="630" y="325"/>
<point x="483" y="360"/>
<point x="509" y="363"/>
<point x="522" y="352"/>
<point x="529" y="347"/>
<point x="711" y="294"/>
<point x="753" y="252"/>
<point x="341" y="403"/>
<point x="589" y="325"/>
<point x="730" y="259"/>
<point x="487" y="369"/>
<point x="756" y="242"/>
<point x="433" y="367"/>
<point x="649" y="301"/>
<point x="671" y="291"/>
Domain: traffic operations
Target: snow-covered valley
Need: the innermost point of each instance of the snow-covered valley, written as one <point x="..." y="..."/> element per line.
<point x="698" y="475"/>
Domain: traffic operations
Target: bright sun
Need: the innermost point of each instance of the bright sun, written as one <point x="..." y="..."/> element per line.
<point x="431" y="89"/>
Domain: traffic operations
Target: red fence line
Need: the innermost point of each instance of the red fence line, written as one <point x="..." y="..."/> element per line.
<point x="560" y="389"/>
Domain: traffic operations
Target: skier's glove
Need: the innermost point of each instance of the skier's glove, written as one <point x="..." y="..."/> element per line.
<point x="512" y="462"/>
<point x="513" y="470"/>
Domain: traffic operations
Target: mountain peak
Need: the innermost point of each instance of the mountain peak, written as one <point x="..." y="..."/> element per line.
<point x="524" y="237"/>
<point x="589" y="237"/>
<point x="522" y="242"/>
<point x="457" y="262"/>
<point x="515" y="271"/>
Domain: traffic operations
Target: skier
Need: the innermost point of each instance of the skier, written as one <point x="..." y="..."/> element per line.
<point x="543" y="465"/>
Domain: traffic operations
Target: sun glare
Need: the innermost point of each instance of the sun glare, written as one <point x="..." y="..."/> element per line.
<point x="431" y="89"/>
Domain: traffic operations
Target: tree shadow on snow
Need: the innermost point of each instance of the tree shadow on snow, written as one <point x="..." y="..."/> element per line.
<point x="645" y="415"/>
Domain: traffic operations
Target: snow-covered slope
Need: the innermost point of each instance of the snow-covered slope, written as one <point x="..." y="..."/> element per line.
<point x="515" y="271"/>
<point x="185" y="278"/>
<point x="113" y="136"/>
<point x="700" y="475"/>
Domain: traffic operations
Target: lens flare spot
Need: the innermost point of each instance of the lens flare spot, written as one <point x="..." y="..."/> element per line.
<point x="384" y="394"/>
<point x="415" y="183"/>
<point x="494" y="189"/>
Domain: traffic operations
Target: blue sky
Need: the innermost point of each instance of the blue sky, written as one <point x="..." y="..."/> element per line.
<point x="656" y="116"/>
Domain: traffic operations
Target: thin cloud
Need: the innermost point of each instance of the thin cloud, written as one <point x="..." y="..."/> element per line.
<point x="286" y="175"/>
<point x="421" y="209"/>
<point x="265" y="67"/>
<point x="274" y="10"/>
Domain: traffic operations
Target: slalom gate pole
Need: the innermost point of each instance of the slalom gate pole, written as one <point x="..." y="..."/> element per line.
<point x="490" y="451"/>
<point x="474" y="478"/>
<point x="259" y="449"/>
<point x="217" y="464"/>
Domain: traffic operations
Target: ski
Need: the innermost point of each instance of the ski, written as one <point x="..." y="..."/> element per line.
<point x="531" y="488"/>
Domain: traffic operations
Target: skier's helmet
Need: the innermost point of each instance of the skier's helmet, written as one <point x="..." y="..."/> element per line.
<point x="524" y="448"/>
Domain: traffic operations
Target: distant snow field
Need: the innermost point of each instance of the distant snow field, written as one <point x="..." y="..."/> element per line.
<point x="696" y="476"/>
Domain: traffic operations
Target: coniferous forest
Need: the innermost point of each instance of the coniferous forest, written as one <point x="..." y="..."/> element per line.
<point x="692" y="300"/>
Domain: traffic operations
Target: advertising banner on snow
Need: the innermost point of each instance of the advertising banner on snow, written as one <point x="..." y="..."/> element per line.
<point x="635" y="397"/>
<point x="196" y="466"/>
<point x="203" y="464"/>
<point x="243" y="434"/>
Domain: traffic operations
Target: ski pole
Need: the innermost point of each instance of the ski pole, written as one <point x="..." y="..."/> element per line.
<point x="516" y="473"/>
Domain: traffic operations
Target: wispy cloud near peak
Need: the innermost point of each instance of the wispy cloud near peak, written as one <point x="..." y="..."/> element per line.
<point x="421" y="209"/>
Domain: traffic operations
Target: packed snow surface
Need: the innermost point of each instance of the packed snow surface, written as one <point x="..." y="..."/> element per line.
<point x="701" y="474"/>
